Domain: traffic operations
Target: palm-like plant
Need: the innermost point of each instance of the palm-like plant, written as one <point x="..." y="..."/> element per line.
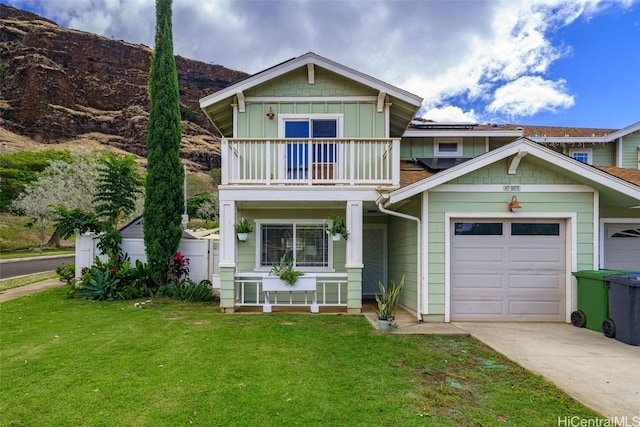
<point x="388" y="300"/>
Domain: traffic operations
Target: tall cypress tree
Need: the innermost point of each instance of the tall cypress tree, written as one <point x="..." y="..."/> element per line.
<point x="164" y="192"/>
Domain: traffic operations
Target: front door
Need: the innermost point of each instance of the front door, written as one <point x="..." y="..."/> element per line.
<point x="374" y="255"/>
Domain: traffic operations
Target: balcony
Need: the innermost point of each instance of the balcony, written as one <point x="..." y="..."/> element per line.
<point x="355" y="162"/>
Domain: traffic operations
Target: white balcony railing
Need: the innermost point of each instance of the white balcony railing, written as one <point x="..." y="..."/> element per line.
<point x="331" y="290"/>
<point x="311" y="161"/>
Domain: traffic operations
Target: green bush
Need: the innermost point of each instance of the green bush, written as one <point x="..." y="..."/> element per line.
<point x="67" y="274"/>
<point x="190" y="291"/>
<point x="188" y="114"/>
<point x="21" y="168"/>
<point x="110" y="281"/>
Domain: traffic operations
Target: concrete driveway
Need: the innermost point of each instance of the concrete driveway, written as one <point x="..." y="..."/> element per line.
<point x="600" y="372"/>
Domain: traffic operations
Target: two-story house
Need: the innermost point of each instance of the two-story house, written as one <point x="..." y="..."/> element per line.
<point x="483" y="223"/>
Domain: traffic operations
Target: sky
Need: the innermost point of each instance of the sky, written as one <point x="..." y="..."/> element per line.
<point x="531" y="62"/>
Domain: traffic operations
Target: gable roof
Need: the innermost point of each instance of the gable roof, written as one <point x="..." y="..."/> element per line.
<point x="598" y="178"/>
<point x="404" y="103"/>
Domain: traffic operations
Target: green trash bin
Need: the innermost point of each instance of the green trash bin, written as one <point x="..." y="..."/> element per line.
<point x="593" y="298"/>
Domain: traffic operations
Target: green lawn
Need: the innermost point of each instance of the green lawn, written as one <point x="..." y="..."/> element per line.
<point x="83" y="363"/>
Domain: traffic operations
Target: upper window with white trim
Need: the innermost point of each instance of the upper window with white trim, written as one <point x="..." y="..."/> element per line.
<point x="305" y="243"/>
<point x="447" y="147"/>
<point x="584" y="155"/>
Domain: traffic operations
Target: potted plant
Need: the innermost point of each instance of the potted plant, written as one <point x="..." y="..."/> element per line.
<point x="336" y="228"/>
<point x="387" y="303"/>
<point x="284" y="270"/>
<point x="243" y="228"/>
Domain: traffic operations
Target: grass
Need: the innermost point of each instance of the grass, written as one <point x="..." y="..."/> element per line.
<point x="16" y="282"/>
<point x="15" y="236"/>
<point x="83" y="363"/>
<point x="35" y="253"/>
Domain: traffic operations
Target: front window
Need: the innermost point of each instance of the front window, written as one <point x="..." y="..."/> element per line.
<point x="304" y="243"/>
<point x="448" y="147"/>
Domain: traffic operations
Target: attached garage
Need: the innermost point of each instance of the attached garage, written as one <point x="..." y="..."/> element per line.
<point x="621" y="244"/>
<point x="508" y="270"/>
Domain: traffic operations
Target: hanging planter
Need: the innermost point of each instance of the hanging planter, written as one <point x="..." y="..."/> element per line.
<point x="243" y="228"/>
<point x="336" y="228"/>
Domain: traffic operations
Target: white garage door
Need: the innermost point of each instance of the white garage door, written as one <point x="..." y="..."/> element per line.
<point x="512" y="270"/>
<point x="622" y="246"/>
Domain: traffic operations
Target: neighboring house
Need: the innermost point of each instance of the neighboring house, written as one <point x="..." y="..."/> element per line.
<point x="309" y="138"/>
<point x="603" y="147"/>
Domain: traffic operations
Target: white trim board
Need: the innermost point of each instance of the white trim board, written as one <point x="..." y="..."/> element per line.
<point x="521" y="188"/>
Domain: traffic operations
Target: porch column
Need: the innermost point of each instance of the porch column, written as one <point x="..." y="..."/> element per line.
<point x="353" y="263"/>
<point x="395" y="162"/>
<point x="227" y="255"/>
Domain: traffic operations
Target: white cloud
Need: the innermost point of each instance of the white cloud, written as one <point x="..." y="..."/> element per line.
<point x="450" y="114"/>
<point x="470" y="53"/>
<point x="529" y="95"/>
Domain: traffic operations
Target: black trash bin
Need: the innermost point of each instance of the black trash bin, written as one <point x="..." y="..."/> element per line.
<point x="623" y="323"/>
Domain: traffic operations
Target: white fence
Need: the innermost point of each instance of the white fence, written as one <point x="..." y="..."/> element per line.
<point x="202" y="254"/>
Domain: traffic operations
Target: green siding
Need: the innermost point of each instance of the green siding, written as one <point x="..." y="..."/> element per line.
<point x="246" y="252"/>
<point x="412" y="148"/>
<point x="528" y="173"/>
<point x="361" y="119"/>
<point x="403" y="252"/>
<point x="603" y="154"/>
<point x="580" y="203"/>
<point x="296" y="83"/>
<point x="630" y="153"/>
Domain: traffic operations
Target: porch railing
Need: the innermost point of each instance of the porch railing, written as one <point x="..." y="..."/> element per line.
<point x="331" y="291"/>
<point x="311" y="161"/>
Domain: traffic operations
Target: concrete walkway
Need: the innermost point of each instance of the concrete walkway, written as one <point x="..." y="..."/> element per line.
<point x="21" y="291"/>
<point x="600" y="372"/>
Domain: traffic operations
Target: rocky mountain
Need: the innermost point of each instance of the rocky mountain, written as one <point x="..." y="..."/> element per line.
<point x="60" y="88"/>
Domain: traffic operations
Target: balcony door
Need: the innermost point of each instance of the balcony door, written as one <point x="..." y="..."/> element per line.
<point x="321" y="163"/>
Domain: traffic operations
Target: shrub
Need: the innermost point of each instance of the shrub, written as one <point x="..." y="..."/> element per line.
<point x="116" y="281"/>
<point x="190" y="291"/>
<point x="67" y="274"/>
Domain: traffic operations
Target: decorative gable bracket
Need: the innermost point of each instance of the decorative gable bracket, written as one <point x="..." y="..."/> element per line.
<point x="241" y="103"/>
<point x="381" y="97"/>
<point x="515" y="162"/>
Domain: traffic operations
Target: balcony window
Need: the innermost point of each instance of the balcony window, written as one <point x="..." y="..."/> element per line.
<point x="319" y="126"/>
<point x="583" y="155"/>
<point x="306" y="244"/>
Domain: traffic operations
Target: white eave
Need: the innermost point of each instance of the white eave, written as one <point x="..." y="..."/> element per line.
<point x="306" y="59"/>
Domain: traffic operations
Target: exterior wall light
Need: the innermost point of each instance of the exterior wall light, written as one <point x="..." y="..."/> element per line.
<point x="514" y="206"/>
<point x="270" y="114"/>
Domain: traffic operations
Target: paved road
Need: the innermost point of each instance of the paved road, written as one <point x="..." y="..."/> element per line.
<point x="20" y="267"/>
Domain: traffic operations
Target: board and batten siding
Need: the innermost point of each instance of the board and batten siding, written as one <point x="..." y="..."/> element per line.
<point x="631" y="151"/>
<point x="361" y="119"/>
<point x="246" y="255"/>
<point x="535" y="204"/>
<point x="403" y="252"/>
<point x="412" y="148"/>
